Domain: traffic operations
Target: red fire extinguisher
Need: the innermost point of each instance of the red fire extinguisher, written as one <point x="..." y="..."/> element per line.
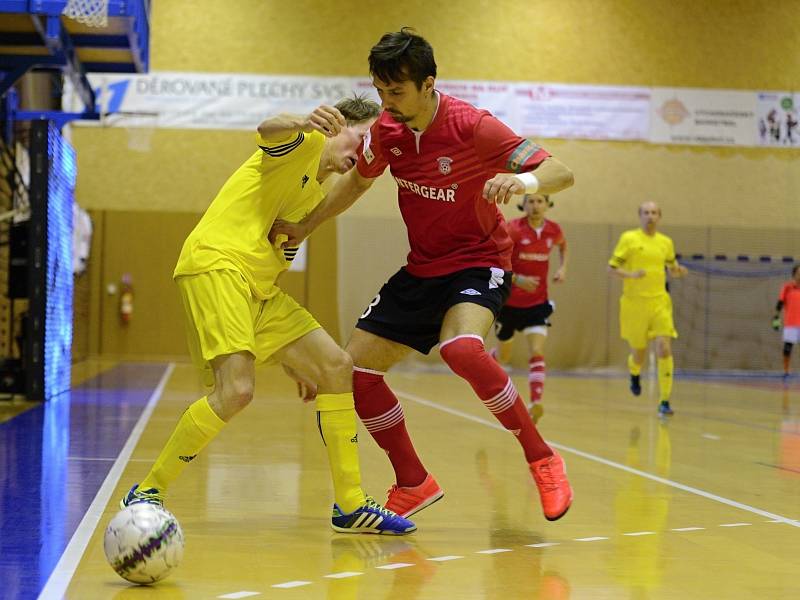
<point x="126" y="299"/>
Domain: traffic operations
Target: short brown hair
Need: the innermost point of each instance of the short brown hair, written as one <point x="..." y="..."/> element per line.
<point x="402" y="55"/>
<point x="358" y="109"/>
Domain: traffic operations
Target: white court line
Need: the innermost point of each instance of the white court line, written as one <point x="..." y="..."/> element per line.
<point x="343" y="575"/>
<point x="542" y="545"/>
<point x="291" y="584"/>
<point x="59" y="579"/>
<point x="237" y="595"/>
<point x="393" y="566"/>
<point x="636" y="533"/>
<point x="494" y="551"/>
<point x="591" y="539"/>
<point x="609" y="463"/>
<point x="688" y="529"/>
<point x="445" y="558"/>
<point x="735" y="524"/>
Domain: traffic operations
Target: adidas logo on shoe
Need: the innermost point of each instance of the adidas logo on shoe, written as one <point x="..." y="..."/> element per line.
<point x="471" y="292"/>
<point x="188" y="459"/>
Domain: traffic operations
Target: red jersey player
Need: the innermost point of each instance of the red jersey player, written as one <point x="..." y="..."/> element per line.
<point x="528" y="308"/>
<point x="789" y="301"/>
<point x="452" y="163"/>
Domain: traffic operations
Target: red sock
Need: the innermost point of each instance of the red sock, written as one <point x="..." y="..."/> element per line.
<point x="382" y="415"/>
<point x="536" y="374"/>
<point x="466" y="356"/>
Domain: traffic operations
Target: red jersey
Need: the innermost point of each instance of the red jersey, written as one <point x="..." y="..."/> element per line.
<point x="531" y="257"/>
<point x="790" y="296"/>
<point x="440" y="174"/>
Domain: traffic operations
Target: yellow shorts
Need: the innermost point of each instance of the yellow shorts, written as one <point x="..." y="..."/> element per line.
<point x="223" y="317"/>
<point x="642" y="319"/>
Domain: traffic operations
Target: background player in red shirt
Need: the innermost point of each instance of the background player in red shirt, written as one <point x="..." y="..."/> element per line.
<point x="789" y="301"/>
<point x="528" y="308"/>
<point x="452" y="163"/>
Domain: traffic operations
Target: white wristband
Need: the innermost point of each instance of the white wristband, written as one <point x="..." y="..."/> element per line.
<point x="529" y="181"/>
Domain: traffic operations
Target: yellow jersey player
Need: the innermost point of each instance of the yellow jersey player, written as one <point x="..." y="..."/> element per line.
<point x="641" y="259"/>
<point x="237" y="317"/>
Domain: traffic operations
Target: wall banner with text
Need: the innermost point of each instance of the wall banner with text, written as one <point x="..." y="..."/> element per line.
<point x="541" y="110"/>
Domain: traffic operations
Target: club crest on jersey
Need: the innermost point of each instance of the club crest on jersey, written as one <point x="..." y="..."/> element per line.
<point x="444" y="165"/>
<point x="396" y="151"/>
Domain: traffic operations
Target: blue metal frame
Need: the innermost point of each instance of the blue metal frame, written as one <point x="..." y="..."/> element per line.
<point x="11" y="113"/>
<point x="52" y="34"/>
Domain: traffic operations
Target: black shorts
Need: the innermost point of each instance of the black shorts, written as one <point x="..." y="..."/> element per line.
<point x="410" y="310"/>
<point x="513" y="318"/>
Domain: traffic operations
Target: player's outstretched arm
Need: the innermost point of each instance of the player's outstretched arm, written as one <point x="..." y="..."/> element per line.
<point x="550" y="176"/>
<point x="553" y="176"/>
<point x="347" y="189"/>
<point x="325" y="119"/>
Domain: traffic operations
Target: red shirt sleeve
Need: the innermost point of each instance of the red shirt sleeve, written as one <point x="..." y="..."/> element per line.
<point x="501" y="149"/>
<point x="784" y="293"/>
<point x="371" y="161"/>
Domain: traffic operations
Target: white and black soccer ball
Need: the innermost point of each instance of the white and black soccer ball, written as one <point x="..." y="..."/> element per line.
<point x="143" y="543"/>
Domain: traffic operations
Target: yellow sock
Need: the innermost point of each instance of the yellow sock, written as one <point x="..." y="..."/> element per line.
<point x="635" y="369"/>
<point x="665" y="366"/>
<point x="337" y="424"/>
<point x="198" y="425"/>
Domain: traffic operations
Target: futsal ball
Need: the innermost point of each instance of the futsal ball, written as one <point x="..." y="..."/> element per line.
<point x="143" y="543"/>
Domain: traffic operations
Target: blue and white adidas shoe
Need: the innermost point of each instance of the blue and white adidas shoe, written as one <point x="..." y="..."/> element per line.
<point x="371" y="518"/>
<point x="135" y="495"/>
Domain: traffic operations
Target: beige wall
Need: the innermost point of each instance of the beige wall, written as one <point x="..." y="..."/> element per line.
<point x="712" y="44"/>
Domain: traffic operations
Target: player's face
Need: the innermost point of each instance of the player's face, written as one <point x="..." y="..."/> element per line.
<point x="649" y="215"/>
<point x="345" y="146"/>
<point x="536" y="205"/>
<point x="402" y="100"/>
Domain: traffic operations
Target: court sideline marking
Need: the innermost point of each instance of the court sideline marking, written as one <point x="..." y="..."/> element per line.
<point x="59" y="579"/>
<point x="609" y="463"/>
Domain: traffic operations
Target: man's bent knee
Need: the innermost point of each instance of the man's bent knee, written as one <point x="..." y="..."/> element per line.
<point x="336" y="374"/>
<point x="236" y="395"/>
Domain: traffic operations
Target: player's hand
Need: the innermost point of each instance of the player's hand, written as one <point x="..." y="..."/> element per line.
<point x="286" y="234"/>
<point x="638" y="274"/>
<point x="529" y="283"/>
<point x="306" y="389"/>
<point x="325" y="119"/>
<point x="776" y="323"/>
<point x="679" y="271"/>
<point x="560" y="276"/>
<point x="502" y="187"/>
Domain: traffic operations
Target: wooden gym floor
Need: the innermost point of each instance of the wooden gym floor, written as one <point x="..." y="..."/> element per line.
<point x="705" y="504"/>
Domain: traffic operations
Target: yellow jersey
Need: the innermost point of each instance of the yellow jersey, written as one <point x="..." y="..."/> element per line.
<point x="278" y="181"/>
<point x="637" y="250"/>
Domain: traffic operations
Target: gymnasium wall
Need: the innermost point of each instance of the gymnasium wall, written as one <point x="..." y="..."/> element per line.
<point x="714" y="44"/>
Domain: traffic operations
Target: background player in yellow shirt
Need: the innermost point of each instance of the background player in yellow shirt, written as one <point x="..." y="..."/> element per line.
<point x="641" y="259"/>
<point x="237" y="316"/>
